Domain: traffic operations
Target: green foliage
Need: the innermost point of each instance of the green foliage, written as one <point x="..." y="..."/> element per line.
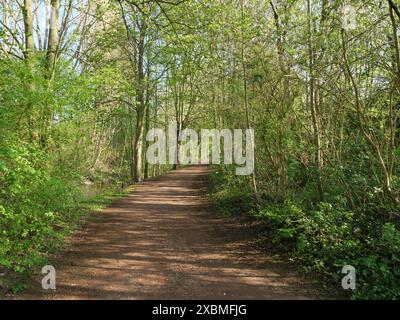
<point x="324" y="105"/>
<point x="379" y="271"/>
<point x="53" y="134"/>
<point x="39" y="206"/>
<point x="232" y="196"/>
<point x="18" y="288"/>
<point x="36" y="203"/>
<point x="325" y="238"/>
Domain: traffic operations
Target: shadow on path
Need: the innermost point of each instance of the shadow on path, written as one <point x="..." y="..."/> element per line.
<point x="164" y="242"/>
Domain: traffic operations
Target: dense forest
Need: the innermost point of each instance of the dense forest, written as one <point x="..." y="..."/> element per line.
<point x="83" y="82"/>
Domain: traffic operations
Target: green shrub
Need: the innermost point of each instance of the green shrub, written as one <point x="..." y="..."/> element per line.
<point x="35" y="204"/>
<point x="328" y="239"/>
<point x="325" y="238"/>
<point x="379" y="273"/>
<point x="231" y="195"/>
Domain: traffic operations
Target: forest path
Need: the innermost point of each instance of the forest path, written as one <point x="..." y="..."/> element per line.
<point x="163" y="241"/>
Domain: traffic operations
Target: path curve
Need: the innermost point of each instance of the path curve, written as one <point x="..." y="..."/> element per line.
<point x="164" y="241"/>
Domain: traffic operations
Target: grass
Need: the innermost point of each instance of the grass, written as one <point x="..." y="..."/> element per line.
<point x="104" y="200"/>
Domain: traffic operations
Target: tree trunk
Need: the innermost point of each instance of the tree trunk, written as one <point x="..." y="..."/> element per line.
<point x="29" y="59"/>
<point x="314" y="114"/>
<point x="140" y="105"/>
<point x="52" y="45"/>
<point x="4" y="43"/>
<point x="29" y="43"/>
<point x="246" y="105"/>
<point x="146" y="164"/>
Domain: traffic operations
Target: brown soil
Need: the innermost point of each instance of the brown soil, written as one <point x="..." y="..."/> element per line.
<point x="164" y="241"/>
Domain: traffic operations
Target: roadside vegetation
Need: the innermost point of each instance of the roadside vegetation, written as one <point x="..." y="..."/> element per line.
<point x="83" y="82"/>
<point x="323" y="237"/>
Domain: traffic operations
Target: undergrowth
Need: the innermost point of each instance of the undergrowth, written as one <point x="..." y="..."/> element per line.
<point x="325" y="238"/>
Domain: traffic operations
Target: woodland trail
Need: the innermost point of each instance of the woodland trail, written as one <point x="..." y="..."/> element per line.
<point x="163" y="241"/>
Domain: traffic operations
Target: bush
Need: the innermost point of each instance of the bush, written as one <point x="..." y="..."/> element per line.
<point x="379" y="272"/>
<point x="36" y="203"/>
<point x="231" y="195"/>
<point x="326" y="238"/>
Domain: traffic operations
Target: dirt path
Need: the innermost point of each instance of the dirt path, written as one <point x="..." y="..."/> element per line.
<point x="164" y="242"/>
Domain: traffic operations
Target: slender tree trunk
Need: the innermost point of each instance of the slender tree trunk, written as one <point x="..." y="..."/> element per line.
<point x="50" y="65"/>
<point x="141" y="105"/>
<point x="29" y="42"/>
<point x="155" y="118"/>
<point x="246" y="102"/>
<point x="4" y="43"/>
<point x="131" y="145"/>
<point x="284" y="105"/>
<point x="47" y="22"/>
<point x="393" y="9"/>
<point x="52" y="45"/>
<point x="314" y="115"/>
<point x="38" y="31"/>
<point x="146" y="163"/>
<point x="29" y="59"/>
